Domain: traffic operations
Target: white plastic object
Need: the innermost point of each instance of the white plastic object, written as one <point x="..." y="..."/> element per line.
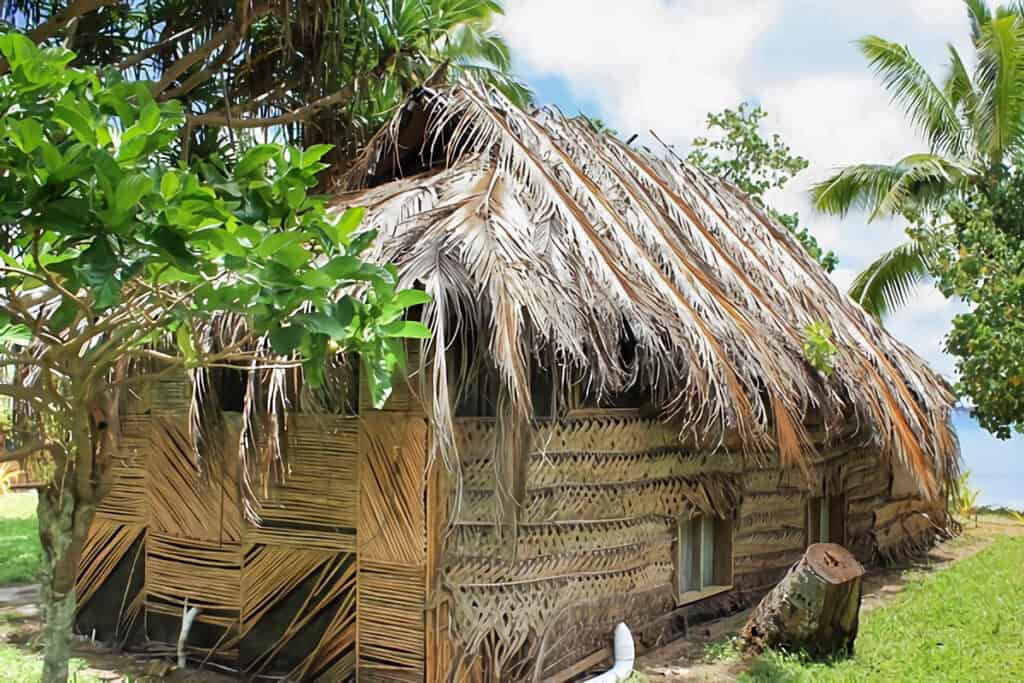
<point x="625" y="655"/>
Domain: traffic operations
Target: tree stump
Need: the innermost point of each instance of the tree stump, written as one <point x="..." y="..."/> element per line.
<point x="815" y="608"/>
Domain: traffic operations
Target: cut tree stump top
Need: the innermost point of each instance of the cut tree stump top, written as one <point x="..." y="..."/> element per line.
<point x="833" y="563"/>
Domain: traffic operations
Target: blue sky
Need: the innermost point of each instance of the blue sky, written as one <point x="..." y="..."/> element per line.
<point x="662" y="65"/>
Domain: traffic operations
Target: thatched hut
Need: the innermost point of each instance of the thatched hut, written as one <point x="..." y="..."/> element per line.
<point x="614" y="421"/>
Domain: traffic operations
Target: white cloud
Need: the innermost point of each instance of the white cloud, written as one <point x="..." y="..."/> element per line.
<point x="649" y="63"/>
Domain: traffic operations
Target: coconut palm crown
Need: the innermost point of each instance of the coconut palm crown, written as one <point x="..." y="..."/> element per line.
<point x="973" y="122"/>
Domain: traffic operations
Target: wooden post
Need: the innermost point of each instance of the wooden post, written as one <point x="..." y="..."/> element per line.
<point x="815" y="608"/>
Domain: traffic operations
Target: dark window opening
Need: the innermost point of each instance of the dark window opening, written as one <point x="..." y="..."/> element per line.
<point x="703" y="556"/>
<point x="826" y="519"/>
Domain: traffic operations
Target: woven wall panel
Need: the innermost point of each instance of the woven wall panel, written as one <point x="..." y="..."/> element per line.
<point x="391" y="622"/>
<point x="127" y="502"/>
<point x="535" y="541"/>
<point x="546" y="469"/>
<point x="392" y="548"/>
<point x="168" y="397"/>
<point x="184" y="502"/>
<point x="673" y="497"/>
<point x="508" y="615"/>
<point x="271" y="576"/>
<point x="596" y="529"/>
<point x="312" y="539"/>
<point x="316" y="500"/>
<point x="609" y="559"/>
<point x="392" y="486"/>
<point x="107" y="546"/>
<point x="205" y="572"/>
<point x="595" y="434"/>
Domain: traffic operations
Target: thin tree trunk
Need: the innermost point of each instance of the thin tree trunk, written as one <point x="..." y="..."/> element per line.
<point x="63" y="528"/>
<point x="67" y="505"/>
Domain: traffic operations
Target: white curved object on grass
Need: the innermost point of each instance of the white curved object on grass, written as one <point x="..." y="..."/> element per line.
<point x="625" y="655"/>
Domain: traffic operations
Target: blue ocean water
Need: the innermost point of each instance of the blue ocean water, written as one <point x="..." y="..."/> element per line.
<point x="997" y="467"/>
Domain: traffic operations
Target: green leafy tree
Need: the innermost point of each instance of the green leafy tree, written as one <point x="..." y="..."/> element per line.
<point x="976" y="260"/>
<point x="736" y="151"/>
<point x="117" y="269"/>
<point x="973" y="121"/>
<point x="310" y="71"/>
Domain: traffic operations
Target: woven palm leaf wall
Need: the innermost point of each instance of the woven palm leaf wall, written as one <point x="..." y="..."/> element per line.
<point x="594" y="542"/>
<point x="369" y="563"/>
<point x="277" y="597"/>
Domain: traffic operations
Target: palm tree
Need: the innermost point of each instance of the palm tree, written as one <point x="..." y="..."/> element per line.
<point x="973" y="122"/>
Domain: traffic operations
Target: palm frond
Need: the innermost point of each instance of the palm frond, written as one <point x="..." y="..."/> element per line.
<point x="960" y="89"/>
<point x="912" y="88"/>
<point x="888" y="283"/>
<point x="915" y="182"/>
<point x="1000" y="80"/>
<point x="978" y="14"/>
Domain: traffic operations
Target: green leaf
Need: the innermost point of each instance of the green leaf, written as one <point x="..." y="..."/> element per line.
<point x="406" y="329"/>
<point x="26" y="133"/>
<point x="347" y="224"/>
<point x="362" y="242"/>
<point x="129" y="191"/>
<point x="315" y="353"/>
<point x="169" y="184"/>
<point x="314" y="153"/>
<point x="17" y="49"/>
<point x="255" y="159"/>
<point x="342" y="267"/>
<point x="106" y="293"/>
<point x="324" y="323"/>
<point x="77" y="117"/>
<point x="277" y="241"/>
<point x="149" y="118"/>
<point x="63" y="316"/>
<point x="132" y="148"/>
<point x="408" y="298"/>
<point x="284" y="340"/>
<point x="295" y="195"/>
<point x="69" y="215"/>
<point x="334" y="321"/>
<point x="174" y="244"/>
<point x="344" y="311"/>
<point x="379" y="375"/>
<point x="18" y="335"/>
<point x="317" y="278"/>
<point x="292" y="256"/>
<point x="97" y="263"/>
<point x="52" y="159"/>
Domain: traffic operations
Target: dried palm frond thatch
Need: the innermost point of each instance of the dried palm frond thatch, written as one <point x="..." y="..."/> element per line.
<point x="542" y="237"/>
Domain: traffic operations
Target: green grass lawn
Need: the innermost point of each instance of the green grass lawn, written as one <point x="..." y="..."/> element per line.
<point x="965" y="623"/>
<point x="21" y="666"/>
<point x="19" y="539"/>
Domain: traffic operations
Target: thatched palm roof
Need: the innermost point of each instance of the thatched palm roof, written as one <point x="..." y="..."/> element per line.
<point x="537" y="232"/>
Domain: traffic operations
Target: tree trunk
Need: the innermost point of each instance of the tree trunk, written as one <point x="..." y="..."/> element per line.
<point x="815" y="608"/>
<point x="63" y="529"/>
